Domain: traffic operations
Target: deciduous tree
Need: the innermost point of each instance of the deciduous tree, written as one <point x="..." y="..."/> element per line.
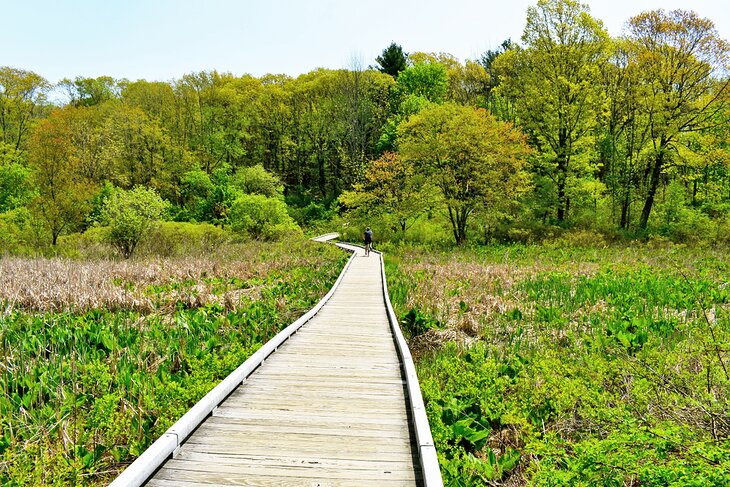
<point x="681" y="65"/>
<point x="130" y="215"/>
<point x="391" y="190"/>
<point x="555" y="84"/>
<point x="64" y="196"/>
<point x="475" y="160"/>
<point x="21" y="94"/>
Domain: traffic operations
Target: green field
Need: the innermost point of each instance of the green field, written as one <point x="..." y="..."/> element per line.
<point x="99" y="358"/>
<point x="552" y="366"/>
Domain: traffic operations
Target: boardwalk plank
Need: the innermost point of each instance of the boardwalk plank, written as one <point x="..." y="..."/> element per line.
<point x="328" y="408"/>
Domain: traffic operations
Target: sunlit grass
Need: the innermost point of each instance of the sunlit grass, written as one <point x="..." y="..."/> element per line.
<point x="572" y="366"/>
<point x="99" y="358"/>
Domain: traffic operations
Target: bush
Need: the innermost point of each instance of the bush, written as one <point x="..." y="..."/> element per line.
<point x="9" y="233"/>
<point x="312" y="213"/>
<point x="723" y="232"/>
<point x="21" y="233"/>
<point x="131" y="215"/>
<point x="91" y="244"/>
<point x="15" y="187"/>
<point x="257" y="180"/>
<point x="578" y="238"/>
<point x="259" y="217"/>
<point x="180" y="238"/>
<point x="688" y="226"/>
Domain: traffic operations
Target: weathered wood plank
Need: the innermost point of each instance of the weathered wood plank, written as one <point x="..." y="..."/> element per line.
<point x="328" y="408"/>
<point x="295" y="453"/>
<point x="167" y="478"/>
<point x="307" y="462"/>
<point x="323" y="426"/>
<point x="304" y="470"/>
<point x="342" y="417"/>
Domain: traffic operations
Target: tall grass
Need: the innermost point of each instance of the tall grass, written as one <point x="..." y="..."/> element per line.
<point x="572" y="366"/>
<point x="146" y="285"/>
<point x="89" y="376"/>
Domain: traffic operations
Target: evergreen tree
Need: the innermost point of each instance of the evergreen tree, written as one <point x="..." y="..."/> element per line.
<point x="393" y="60"/>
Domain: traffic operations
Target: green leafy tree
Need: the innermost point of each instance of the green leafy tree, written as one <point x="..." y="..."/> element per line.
<point x="429" y="80"/>
<point x="320" y="126"/>
<point x="131" y="215"/>
<point x="16" y="188"/>
<point x="257" y="180"/>
<point x="274" y="146"/>
<point x="156" y="99"/>
<point x="469" y="84"/>
<point x="86" y="92"/>
<point x="499" y="105"/>
<point x="392" y="60"/>
<point x="391" y="190"/>
<point x="475" y="160"/>
<point x="63" y="195"/>
<point x="261" y="217"/>
<point x="97" y="143"/>
<point x="555" y="84"/>
<point x="196" y="188"/>
<point x="680" y="63"/>
<point x="22" y="93"/>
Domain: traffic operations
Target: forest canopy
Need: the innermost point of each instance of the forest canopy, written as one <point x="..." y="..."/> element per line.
<point x="568" y="128"/>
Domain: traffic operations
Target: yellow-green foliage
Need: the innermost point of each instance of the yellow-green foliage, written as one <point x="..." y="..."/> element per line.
<point x="261" y="217"/>
<point x="21" y="233"/>
<point x="181" y="238"/>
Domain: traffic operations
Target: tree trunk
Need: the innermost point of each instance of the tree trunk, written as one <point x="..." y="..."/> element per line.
<point x="322" y="177"/>
<point x="462" y="226"/>
<point x="562" y="160"/>
<point x="625" y="211"/>
<point x="459" y="217"/>
<point x="656" y="172"/>
<point x="454" y="225"/>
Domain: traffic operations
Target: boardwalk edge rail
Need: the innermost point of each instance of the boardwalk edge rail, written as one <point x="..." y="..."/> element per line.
<point x="153" y="457"/>
<point x="427" y="449"/>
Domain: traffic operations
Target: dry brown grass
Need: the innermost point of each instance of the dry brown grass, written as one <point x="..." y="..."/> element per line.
<point x="58" y="284"/>
<point x="466" y="293"/>
<point x="441" y="286"/>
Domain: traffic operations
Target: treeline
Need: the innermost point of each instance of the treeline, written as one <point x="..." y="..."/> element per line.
<point x="569" y="128"/>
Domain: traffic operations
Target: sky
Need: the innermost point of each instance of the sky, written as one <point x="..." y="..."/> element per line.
<point x="162" y="40"/>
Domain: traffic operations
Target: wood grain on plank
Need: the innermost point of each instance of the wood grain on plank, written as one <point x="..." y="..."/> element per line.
<point x="328" y="408"/>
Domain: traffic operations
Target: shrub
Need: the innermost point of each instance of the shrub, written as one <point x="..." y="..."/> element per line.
<point x="257" y="180"/>
<point x="312" y="213"/>
<point x="15" y="187"/>
<point x="578" y="238"/>
<point x="8" y="233"/>
<point x="91" y="244"/>
<point x="261" y="217"/>
<point x="180" y="238"/>
<point x="131" y="215"/>
<point x="21" y="233"/>
<point x="688" y="226"/>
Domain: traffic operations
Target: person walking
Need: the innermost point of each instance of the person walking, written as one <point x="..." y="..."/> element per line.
<point x="368" y="241"/>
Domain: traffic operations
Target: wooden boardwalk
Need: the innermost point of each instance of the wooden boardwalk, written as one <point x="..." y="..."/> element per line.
<point x="328" y="408"/>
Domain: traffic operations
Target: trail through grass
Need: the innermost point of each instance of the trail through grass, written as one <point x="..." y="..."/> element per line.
<point x="96" y="366"/>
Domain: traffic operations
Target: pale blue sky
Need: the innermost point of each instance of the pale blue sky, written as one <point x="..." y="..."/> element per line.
<point x="164" y="39"/>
